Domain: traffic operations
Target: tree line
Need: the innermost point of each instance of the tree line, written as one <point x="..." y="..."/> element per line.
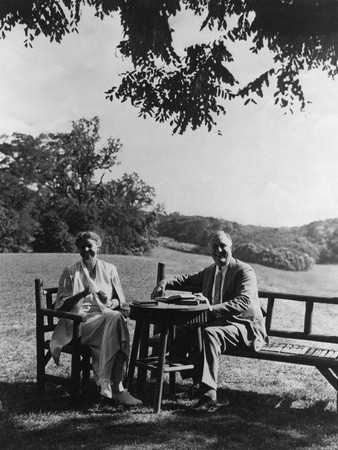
<point x="288" y="248"/>
<point x="53" y="187"/>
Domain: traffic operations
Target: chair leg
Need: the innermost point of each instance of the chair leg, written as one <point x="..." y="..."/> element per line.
<point x="172" y="383"/>
<point x="160" y="368"/>
<point x="76" y="367"/>
<point x="40" y="384"/>
<point x="134" y="352"/>
<point x="86" y="368"/>
<point x="40" y="373"/>
<point x="42" y="360"/>
<point x="172" y="375"/>
<point x="40" y="352"/>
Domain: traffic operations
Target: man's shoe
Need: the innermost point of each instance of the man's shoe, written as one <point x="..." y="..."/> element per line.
<point x="205" y="404"/>
<point x="195" y="391"/>
<point x="126" y="399"/>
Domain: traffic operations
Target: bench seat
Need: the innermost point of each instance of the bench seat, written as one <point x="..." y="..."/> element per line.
<point x="293" y="353"/>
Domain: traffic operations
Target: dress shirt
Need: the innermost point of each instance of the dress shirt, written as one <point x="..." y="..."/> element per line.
<point x="223" y="272"/>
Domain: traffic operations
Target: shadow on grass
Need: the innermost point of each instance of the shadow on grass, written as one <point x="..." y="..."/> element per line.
<point x="244" y="420"/>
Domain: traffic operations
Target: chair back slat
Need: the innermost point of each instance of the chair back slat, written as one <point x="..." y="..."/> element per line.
<point x="268" y="320"/>
<point x="44" y="299"/>
<point x="308" y="317"/>
<point x="49" y="292"/>
<point x="38" y="294"/>
<point x="51" y="321"/>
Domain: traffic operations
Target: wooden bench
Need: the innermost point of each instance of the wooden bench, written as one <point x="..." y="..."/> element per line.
<point x="289" y="346"/>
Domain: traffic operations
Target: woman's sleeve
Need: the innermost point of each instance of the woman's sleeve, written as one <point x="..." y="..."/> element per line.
<point x="117" y="286"/>
<point x="65" y="288"/>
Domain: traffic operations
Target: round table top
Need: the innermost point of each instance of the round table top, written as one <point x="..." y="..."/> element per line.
<point x="171" y="306"/>
<point x="171" y="314"/>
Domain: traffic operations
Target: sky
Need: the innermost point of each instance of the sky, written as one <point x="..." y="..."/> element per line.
<point x="266" y="168"/>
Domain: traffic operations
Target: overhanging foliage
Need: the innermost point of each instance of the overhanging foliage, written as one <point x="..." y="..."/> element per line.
<point x="193" y="88"/>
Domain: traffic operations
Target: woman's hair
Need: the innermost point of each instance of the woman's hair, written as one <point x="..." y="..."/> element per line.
<point x="88" y="235"/>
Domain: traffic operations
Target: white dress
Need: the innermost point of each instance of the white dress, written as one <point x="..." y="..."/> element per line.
<point x="105" y="330"/>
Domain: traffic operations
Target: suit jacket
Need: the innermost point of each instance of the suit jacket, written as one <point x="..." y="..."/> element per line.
<point x="240" y="304"/>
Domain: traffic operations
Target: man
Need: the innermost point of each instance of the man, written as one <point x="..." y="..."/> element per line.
<point x="229" y="287"/>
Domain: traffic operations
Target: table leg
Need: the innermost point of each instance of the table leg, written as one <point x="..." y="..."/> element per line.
<point x="172" y="375"/>
<point x="143" y="353"/>
<point x="160" y="367"/>
<point x="199" y="343"/>
<point x="134" y="352"/>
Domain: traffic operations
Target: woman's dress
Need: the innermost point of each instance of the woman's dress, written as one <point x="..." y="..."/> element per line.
<point x="105" y="330"/>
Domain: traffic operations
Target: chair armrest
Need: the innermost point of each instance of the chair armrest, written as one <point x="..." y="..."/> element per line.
<point x="62" y="315"/>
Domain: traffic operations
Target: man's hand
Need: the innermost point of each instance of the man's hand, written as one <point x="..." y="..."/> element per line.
<point x="203" y="299"/>
<point x="159" y="290"/>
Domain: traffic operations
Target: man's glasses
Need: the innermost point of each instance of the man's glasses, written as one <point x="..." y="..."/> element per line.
<point x="217" y="246"/>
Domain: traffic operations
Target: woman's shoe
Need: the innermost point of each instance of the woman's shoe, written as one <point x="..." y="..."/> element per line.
<point x="106" y="389"/>
<point x="126" y="399"/>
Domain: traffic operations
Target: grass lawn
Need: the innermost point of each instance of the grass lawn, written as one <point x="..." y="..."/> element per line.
<point x="263" y="405"/>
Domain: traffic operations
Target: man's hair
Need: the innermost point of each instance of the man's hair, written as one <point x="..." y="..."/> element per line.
<point x="220" y="232"/>
<point x="88" y="235"/>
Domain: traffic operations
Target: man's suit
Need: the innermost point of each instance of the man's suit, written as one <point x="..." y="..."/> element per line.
<point x="235" y="322"/>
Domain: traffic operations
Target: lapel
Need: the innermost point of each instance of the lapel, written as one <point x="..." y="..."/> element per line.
<point x="210" y="281"/>
<point x="228" y="276"/>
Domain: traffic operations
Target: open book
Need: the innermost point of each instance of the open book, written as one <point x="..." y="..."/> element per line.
<point x="179" y="299"/>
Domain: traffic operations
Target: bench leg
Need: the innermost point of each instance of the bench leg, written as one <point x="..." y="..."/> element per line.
<point x="332" y="377"/>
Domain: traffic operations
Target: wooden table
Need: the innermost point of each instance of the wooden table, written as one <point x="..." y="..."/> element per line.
<point x="165" y="316"/>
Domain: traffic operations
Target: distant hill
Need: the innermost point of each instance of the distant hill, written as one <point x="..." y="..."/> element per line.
<point x="289" y="248"/>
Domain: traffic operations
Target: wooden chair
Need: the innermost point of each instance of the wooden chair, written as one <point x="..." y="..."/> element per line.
<point x="46" y="320"/>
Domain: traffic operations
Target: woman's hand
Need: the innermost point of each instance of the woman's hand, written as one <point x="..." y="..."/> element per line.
<point x="88" y="290"/>
<point x="124" y="309"/>
<point x="114" y="303"/>
<point x="102" y="296"/>
<point x="70" y="302"/>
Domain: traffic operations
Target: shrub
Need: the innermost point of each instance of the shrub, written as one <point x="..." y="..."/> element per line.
<point x="279" y="258"/>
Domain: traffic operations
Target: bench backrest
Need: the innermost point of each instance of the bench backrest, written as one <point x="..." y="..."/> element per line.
<point x="44" y="298"/>
<point x="309" y="302"/>
<point x="277" y="297"/>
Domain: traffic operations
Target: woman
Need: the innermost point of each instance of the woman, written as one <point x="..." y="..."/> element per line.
<point x="92" y="288"/>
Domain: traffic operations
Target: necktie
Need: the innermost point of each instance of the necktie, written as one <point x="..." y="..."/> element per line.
<point x="218" y="287"/>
